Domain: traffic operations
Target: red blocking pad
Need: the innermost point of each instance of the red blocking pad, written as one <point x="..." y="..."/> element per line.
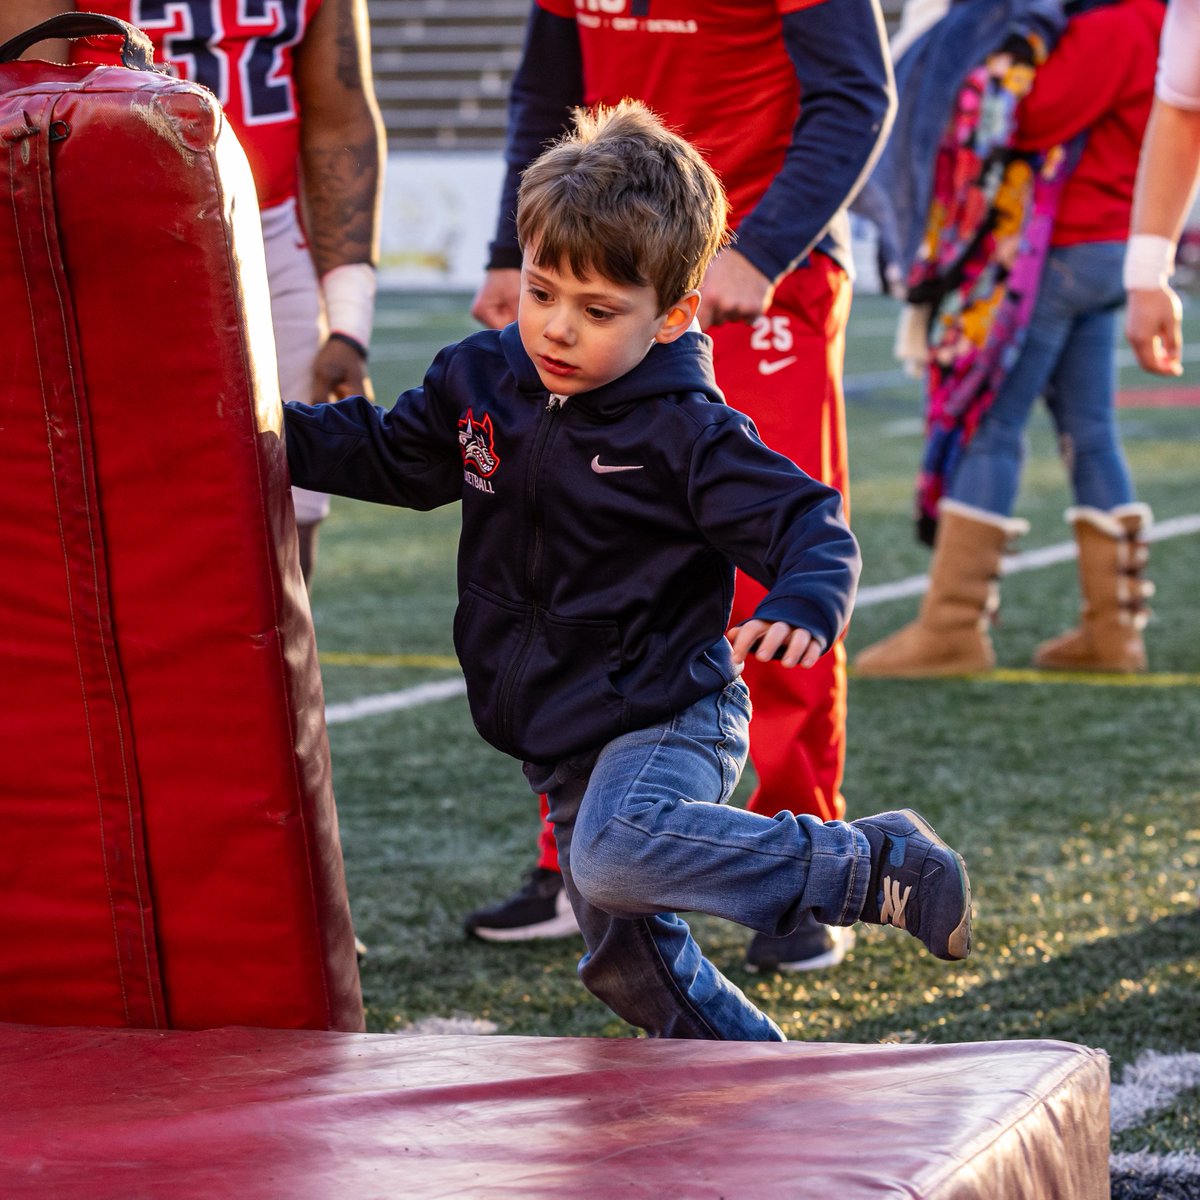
<point x="171" y="854"/>
<point x="265" y="1114"/>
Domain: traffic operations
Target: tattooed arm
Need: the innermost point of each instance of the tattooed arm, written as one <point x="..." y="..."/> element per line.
<point x="342" y="148"/>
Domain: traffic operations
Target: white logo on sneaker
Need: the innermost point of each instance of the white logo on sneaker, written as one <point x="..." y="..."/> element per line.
<point x="892" y="911"/>
<point x="769" y="368"/>
<point x="604" y="469"/>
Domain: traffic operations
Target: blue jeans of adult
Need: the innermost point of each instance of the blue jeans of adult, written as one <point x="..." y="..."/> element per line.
<point x="1069" y="358"/>
<point x="644" y="832"/>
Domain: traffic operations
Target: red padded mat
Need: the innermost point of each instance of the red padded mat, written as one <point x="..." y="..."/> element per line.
<point x="269" y="1114"/>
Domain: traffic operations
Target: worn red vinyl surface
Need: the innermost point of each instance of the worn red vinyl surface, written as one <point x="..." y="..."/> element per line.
<point x="171" y="856"/>
<point x="270" y="1114"/>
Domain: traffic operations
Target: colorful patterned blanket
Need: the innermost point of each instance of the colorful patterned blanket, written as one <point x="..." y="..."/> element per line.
<point x="980" y="262"/>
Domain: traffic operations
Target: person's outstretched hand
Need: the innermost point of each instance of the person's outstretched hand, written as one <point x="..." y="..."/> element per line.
<point x="495" y="304"/>
<point x="734" y="289"/>
<point x="339" y="371"/>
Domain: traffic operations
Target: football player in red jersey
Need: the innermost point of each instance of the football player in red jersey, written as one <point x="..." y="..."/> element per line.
<point x="790" y="101"/>
<point x="294" y="79"/>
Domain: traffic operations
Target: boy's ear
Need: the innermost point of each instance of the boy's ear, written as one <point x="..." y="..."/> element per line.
<point x="678" y="318"/>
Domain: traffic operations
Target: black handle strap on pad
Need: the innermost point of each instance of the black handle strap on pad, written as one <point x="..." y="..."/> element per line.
<point x="137" y="50"/>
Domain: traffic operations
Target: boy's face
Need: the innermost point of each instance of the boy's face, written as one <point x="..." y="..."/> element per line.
<point x="583" y="333"/>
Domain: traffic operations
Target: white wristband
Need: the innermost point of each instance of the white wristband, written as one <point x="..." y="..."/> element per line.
<point x="349" y="293"/>
<point x="1149" y="262"/>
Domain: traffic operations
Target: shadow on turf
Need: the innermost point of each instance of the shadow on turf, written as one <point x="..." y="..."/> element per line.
<point x="1154" y="1185"/>
<point x="1055" y="998"/>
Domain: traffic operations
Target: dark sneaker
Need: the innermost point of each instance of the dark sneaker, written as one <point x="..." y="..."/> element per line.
<point x="360" y="948"/>
<point x="917" y="883"/>
<point x="811" y="946"/>
<point x="540" y="909"/>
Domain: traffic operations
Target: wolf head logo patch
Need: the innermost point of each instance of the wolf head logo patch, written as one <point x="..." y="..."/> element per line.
<point x="478" y="447"/>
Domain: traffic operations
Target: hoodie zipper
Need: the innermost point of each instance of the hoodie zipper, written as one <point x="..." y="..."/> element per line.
<point x="554" y="407"/>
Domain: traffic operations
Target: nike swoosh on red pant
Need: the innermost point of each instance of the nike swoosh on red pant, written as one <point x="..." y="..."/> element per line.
<point x="769" y="368"/>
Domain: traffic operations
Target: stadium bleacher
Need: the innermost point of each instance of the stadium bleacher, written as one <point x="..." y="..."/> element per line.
<point x="442" y="70"/>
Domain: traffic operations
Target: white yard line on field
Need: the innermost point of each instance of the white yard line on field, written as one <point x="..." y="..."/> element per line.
<point x="914" y="585"/>
<point x="858" y="382"/>
<point x="1145" y="1173"/>
<point x="413" y="697"/>
<point x="1150" y="1084"/>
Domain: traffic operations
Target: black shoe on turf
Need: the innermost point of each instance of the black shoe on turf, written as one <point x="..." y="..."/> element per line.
<point x="811" y="946"/>
<point x="539" y="909"/>
<point x="917" y="883"/>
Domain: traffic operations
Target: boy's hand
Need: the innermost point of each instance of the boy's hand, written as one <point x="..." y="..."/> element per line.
<point x="792" y="646"/>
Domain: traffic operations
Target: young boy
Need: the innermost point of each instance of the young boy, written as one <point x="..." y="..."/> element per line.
<point x="607" y="493"/>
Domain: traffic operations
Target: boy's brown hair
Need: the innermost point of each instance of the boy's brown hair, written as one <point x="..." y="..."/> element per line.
<point x="623" y="197"/>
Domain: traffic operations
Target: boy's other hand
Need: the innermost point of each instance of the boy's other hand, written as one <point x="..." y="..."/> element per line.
<point x="495" y="304"/>
<point x="765" y="640"/>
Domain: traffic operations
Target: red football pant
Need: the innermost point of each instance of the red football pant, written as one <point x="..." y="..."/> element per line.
<point x="785" y="372"/>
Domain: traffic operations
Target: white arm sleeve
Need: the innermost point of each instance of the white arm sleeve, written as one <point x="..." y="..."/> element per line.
<point x="1178" y="80"/>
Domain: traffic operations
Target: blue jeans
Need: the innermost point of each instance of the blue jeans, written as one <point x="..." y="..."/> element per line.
<point x="644" y="831"/>
<point x="1069" y="358"/>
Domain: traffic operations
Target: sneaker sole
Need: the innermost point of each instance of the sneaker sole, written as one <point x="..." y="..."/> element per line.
<point x="958" y="943"/>
<point x="564" y="925"/>
<point x="844" y="943"/>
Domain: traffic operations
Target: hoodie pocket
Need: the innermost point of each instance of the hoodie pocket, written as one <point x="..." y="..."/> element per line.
<point x="539" y="685"/>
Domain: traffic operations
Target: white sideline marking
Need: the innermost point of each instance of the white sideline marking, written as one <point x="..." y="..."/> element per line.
<point x="369" y="706"/>
<point x="897" y="376"/>
<point x="1151" y="1083"/>
<point x="439" y="1026"/>
<point x="1030" y="560"/>
<point x="1178" y="1163"/>
<point x="904" y="427"/>
<point x="914" y="585"/>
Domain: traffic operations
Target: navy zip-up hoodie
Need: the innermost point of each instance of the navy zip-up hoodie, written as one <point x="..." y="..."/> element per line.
<point x="598" y="533"/>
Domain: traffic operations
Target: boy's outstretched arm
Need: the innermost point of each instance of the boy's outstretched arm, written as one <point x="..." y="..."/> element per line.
<point x="408" y="455"/>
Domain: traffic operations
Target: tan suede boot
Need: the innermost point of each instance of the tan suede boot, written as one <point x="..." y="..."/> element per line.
<point x="949" y="636"/>
<point x="1112" y="553"/>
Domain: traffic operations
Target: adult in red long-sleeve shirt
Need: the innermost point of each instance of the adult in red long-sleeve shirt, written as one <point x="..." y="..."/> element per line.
<point x="1099" y="82"/>
<point x="1100" y="78"/>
